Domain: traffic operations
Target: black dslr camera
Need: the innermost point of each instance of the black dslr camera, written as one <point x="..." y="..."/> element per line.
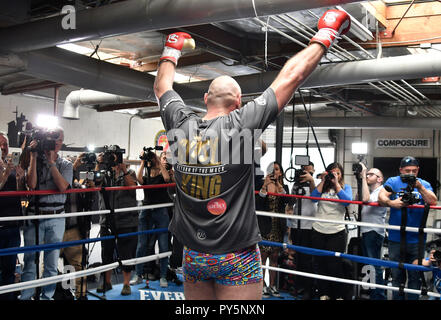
<point x="46" y="139"/>
<point x="357" y="168"/>
<point x="89" y="159"/>
<point x="113" y="155"/>
<point x="149" y="155"/>
<point x="329" y="177"/>
<point x="297" y="176"/>
<point x="437" y="256"/>
<point x="407" y="195"/>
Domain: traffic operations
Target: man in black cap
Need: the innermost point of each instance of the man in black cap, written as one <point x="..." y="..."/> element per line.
<point x="422" y="193"/>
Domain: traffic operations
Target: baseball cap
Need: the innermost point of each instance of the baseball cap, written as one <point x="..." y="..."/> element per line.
<point x="408" y="161"/>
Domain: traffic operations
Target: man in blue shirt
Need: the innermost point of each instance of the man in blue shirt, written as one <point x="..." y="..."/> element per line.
<point x="388" y="197"/>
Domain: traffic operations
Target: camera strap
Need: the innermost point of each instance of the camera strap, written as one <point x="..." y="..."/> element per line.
<point x="421" y="246"/>
<point x="402" y="246"/>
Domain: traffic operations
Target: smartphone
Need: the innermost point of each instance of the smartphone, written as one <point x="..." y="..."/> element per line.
<point x="15" y="158"/>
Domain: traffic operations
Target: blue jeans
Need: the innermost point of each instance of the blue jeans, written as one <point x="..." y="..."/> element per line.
<point x="158" y="219"/>
<point x="50" y="231"/>
<point x="399" y="275"/>
<point x="9" y="238"/>
<point x="371" y="243"/>
<point x="141" y="247"/>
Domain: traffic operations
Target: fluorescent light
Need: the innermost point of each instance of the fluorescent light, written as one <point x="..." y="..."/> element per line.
<point x="359" y="148"/>
<point x="358" y="29"/>
<point x="75" y="48"/>
<point x="179" y="77"/>
<point x="47" y="121"/>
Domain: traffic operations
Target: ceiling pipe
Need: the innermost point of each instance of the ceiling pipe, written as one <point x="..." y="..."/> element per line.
<point x="370" y="123"/>
<point x="78" y="98"/>
<point x="63" y="66"/>
<point x="354" y="72"/>
<point x="142" y="15"/>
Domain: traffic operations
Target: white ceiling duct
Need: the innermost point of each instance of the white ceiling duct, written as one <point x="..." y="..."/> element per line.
<point x="78" y="98"/>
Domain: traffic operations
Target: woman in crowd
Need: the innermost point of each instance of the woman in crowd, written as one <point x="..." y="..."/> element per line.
<point x="274" y="231"/>
<point x="331" y="236"/>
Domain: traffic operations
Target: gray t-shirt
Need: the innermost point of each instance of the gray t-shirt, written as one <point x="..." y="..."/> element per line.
<point x="214" y="172"/>
<point x="373" y="214"/>
<point x="308" y="209"/>
<point x="46" y="182"/>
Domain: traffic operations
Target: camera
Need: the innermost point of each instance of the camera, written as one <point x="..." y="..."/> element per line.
<point x="46" y="139"/>
<point x="357" y="168"/>
<point x="410" y="179"/>
<point x="89" y="160"/>
<point x="113" y="155"/>
<point x="437" y="256"/>
<point x="297" y="176"/>
<point x="407" y="195"/>
<point x="95" y="176"/>
<point x="329" y="177"/>
<point x="149" y="155"/>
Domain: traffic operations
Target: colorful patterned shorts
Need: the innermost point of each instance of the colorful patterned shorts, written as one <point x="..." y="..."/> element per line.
<point x="232" y="269"/>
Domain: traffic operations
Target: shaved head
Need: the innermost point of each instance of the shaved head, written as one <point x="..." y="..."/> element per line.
<point x="224" y="91"/>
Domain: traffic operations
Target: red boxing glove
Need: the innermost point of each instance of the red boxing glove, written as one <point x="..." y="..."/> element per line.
<point x="332" y="24"/>
<point x="174" y="45"/>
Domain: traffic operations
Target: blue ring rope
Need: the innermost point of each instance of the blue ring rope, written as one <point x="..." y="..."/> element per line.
<point x="365" y="260"/>
<point x="59" y="245"/>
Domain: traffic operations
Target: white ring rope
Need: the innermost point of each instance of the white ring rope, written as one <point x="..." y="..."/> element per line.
<point x="79" y="214"/>
<point x="373" y="285"/>
<point x="72" y="275"/>
<point x="364" y="224"/>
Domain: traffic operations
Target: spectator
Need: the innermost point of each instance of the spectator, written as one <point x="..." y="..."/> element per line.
<point x="11" y="179"/>
<point x="388" y="197"/>
<point x="47" y="171"/>
<point x="154" y="218"/>
<point x="372" y="238"/>
<point x="331" y="236"/>
<point x="434" y="260"/>
<point x="78" y="228"/>
<point x="301" y="230"/>
<point x="124" y="222"/>
<point x="273" y="183"/>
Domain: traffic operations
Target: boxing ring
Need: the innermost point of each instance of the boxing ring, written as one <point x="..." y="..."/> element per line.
<point x="103" y="268"/>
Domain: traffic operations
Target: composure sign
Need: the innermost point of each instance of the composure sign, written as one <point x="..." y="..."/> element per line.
<point x="402" y="143"/>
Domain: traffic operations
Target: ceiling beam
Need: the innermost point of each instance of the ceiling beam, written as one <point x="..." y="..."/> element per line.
<point x="141" y="15"/>
<point x="121" y="106"/>
<point x="30" y="87"/>
<point x="371" y="122"/>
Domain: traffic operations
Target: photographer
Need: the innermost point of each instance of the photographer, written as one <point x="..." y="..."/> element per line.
<point x="11" y="179"/>
<point x="153" y="218"/>
<point x="301" y="230"/>
<point x="390" y="196"/>
<point x="331" y="236"/>
<point x="372" y="238"/>
<point x="273" y="183"/>
<point x="434" y="260"/>
<point x="52" y="173"/>
<point x="118" y="175"/>
<point x="78" y="228"/>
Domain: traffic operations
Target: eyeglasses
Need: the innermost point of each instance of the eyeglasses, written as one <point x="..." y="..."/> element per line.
<point x="371" y="174"/>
